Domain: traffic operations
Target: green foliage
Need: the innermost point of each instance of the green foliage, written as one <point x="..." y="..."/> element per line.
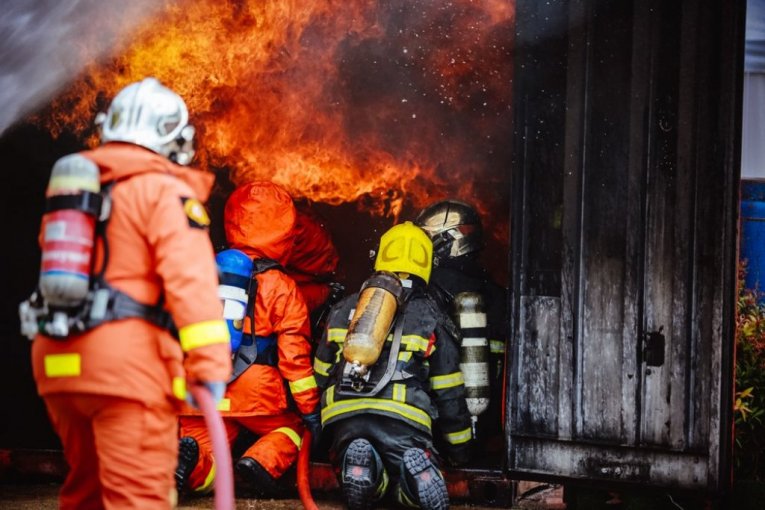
<point x="749" y="410"/>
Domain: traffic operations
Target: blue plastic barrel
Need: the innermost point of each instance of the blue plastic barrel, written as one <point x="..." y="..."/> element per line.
<point x="752" y="248"/>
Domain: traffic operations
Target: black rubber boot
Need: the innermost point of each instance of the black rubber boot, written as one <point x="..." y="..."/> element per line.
<point x="258" y="480"/>
<point x="363" y="476"/>
<point x="188" y="456"/>
<point x="422" y="483"/>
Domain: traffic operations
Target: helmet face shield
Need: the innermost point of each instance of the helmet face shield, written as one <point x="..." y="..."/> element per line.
<point x="453" y="226"/>
<point x="405" y="248"/>
<point x="149" y="114"/>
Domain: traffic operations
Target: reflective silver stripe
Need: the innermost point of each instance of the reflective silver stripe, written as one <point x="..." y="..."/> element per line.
<point x="474" y="342"/>
<point x="472" y="320"/>
<point x="475" y="374"/>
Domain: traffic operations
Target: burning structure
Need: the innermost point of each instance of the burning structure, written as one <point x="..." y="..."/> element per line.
<point x="620" y="125"/>
<point x="384" y="105"/>
<point x="366" y="111"/>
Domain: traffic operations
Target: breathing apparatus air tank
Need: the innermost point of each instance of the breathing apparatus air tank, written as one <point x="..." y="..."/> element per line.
<point x="470" y="315"/>
<point x="235" y="269"/>
<point x="375" y="311"/>
<point x="73" y="205"/>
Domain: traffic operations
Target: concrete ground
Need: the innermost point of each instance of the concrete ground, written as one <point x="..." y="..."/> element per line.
<point x="43" y="497"/>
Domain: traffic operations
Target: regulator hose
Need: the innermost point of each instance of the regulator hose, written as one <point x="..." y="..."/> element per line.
<point x="224" y="477"/>
<point x="303" y="479"/>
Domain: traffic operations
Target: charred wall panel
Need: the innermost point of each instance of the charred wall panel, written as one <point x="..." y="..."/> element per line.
<point x="538" y="195"/>
<point x="622" y="370"/>
<point x="601" y="202"/>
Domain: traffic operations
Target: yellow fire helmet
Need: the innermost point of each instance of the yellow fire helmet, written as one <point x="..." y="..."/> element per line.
<point x="405" y="248"/>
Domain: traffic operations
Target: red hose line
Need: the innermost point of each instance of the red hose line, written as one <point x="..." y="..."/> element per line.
<point x="303" y="479"/>
<point x="224" y="477"/>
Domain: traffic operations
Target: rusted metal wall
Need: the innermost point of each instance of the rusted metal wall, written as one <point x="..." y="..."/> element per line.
<point x="625" y="194"/>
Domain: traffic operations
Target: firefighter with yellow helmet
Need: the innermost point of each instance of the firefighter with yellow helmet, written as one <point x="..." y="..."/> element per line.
<point x="388" y="365"/>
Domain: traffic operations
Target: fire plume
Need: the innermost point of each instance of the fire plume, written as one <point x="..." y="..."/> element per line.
<point x="365" y="101"/>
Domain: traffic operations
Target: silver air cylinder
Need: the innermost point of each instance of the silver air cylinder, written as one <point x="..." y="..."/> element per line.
<point x="470" y="316"/>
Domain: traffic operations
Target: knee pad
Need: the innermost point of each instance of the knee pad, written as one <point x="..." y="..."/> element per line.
<point x="421" y="485"/>
<point x="258" y="479"/>
<point x="188" y="456"/>
<point x="363" y="477"/>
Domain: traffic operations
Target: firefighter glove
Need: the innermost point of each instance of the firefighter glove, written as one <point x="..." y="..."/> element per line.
<point x="216" y="388"/>
<point x="312" y="422"/>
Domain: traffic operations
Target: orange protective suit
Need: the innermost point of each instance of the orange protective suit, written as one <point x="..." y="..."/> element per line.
<point x="113" y="392"/>
<point x="259" y="219"/>
<point x="313" y="259"/>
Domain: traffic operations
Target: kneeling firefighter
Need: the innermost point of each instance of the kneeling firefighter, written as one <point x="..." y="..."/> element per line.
<point x="269" y="321"/>
<point x="388" y="364"/>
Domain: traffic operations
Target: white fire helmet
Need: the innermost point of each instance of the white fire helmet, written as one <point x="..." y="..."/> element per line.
<point x="151" y="115"/>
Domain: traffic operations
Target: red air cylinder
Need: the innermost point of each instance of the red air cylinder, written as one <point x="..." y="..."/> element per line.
<point x="68" y="231"/>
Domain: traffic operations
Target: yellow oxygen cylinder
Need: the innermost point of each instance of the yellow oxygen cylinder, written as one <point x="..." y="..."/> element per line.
<point x="371" y="322"/>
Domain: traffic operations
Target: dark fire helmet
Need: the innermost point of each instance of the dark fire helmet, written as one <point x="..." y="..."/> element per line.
<point x="453" y="226"/>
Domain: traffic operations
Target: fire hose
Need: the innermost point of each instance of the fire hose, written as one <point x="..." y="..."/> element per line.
<point x="303" y="481"/>
<point x="224" y="478"/>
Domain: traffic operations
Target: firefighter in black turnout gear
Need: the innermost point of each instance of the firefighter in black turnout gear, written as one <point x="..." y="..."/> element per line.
<point x="388" y="365"/>
<point x="465" y="291"/>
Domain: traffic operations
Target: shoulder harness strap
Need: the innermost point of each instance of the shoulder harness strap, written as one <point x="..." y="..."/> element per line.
<point x="256" y="350"/>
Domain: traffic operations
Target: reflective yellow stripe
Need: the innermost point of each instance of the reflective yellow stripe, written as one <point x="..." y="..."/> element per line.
<point x="496" y="346"/>
<point x="224" y="404"/>
<point x="383" y="486"/>
<point x="291" y="434"/>
<point x="179" y="388"/>
<point x="346" y="406"/>
<point x="320" y="367"/>
<point x="463" y="436"/>
<point x="399" y="392"/>
<point x="201" y="334"/>
<point x="441" y="382"/>
<point x="404" y="500"/>
<point x="301" y="385"/>
<point x="415" y="342"/>
<point x="63" y="365"/>
<point x="330" y="393"/>
<point x="405" y="355"/>
<point x="336" y="335"/>
<point x="207" y="486"/>
<point x="72" y="182"/>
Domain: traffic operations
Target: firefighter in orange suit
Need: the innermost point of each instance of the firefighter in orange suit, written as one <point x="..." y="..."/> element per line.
<point x="313" y="265"/>
<point x="114" y="378"/>
<point x="313" y="259"/>
<point x="259" y="219"/>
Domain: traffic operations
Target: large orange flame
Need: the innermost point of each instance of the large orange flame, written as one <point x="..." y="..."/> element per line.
<point x="337" y="100"/>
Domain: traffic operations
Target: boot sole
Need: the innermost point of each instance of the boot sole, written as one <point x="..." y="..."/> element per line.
<point x="188" y="456"/>
<point x="431" y="487"/>
<point x="358" y="484"/>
